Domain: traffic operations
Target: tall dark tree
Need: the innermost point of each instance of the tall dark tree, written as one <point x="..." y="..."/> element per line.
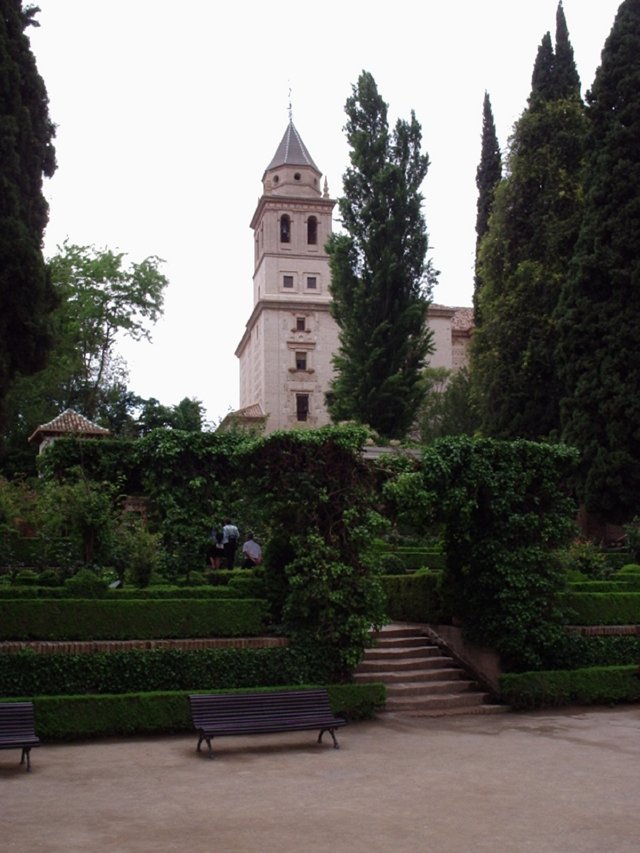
<point x="524" y="257"/>
<point x="488" y="177"/>
<point x="380" y="279"/>
<point x="26" y="155"/>
<point x="599" y="310"/>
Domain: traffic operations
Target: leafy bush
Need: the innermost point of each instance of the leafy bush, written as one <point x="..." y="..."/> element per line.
<point x="26" y="577"/>
<point x="86" y="584"/>
<point x="49" y="577"/>
<point x="585" y="557"/>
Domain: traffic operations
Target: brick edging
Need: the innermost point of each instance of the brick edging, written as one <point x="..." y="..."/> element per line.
<point x="605" y="630"/>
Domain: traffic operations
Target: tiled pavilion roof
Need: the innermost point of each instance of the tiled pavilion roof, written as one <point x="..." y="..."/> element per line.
<point x="292" y="151"/>
<point x="68" y="423"/>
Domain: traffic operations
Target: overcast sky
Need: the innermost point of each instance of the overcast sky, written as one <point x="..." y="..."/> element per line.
<point x="168" y="114"/>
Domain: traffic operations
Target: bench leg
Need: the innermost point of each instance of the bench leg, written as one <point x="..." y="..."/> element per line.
<point x="26" y="752"/>
<point x="208" y="740"/>
<point x="336" y="745"/>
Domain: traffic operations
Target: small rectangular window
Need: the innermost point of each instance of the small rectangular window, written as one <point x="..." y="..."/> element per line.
<point x="302" y="406"/>
<point x="312" y="282"/>
<point x="301" y="361"/>
<point x="287" y="281"/>
<point x="301" y="325"/>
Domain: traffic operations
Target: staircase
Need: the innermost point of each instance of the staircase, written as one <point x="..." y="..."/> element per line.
<point x="422" y="679"/>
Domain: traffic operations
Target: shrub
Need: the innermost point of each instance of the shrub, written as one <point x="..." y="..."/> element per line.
<point x="49" y="577"/>
<point x="86" y="584"/>
<point x="604" y="685"/>
<point x="413" y="598"/>
<point x="601" y="608"/>
<point x="76" y="717"/>
<point x="26" y="577"/>
<point x="392" y="564"/>
<point x="585" y="557"/>
<point x="76" y="619"/>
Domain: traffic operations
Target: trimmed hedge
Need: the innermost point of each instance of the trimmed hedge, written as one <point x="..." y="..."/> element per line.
<point x="590" y="686"/>
<point x="87" y="619"/>
<point x="603" y="586"/>
<point x="146" y="670"/>
<point x="149" y="593"/>
<point x="601" y="608"/>
<point x="578" y="651"/>
<point x="413" y="598"/>
<point x="75" y="717"/>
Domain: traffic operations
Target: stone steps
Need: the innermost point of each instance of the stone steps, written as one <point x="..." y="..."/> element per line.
<point x="421" y="678"/>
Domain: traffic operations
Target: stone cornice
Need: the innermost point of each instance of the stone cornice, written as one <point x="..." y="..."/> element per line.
<point x="298" y="306"/>
<point x="316" y="205"/>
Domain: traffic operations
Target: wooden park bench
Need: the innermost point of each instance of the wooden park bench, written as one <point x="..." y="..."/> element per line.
<point x="256" y="713"/>
<point x="17" y="730"/>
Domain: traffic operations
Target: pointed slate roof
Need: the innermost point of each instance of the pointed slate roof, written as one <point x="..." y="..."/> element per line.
<point x="69" y="422"/>
<point x="292" y="151"/>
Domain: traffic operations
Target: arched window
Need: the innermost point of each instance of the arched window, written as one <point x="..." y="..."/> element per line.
<point x="312" y="231"/>
<point x="285" y="228"/>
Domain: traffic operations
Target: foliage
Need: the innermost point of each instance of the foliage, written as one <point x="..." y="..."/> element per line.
<point x="505" y="513"/>
<point x="82" y="512"/>
<point x="380" y="281"/>
<point x="595" y="685"/>
<point x="74" y="717"/>
<point x="602" y="608"/>
<point x="86" y="584"/>
<point x="92" y="619"/>
<point x="414" y="598"/>
<point x="314" y="491"/>
<point x="488" y="177"/>
<point x="632" y="532"/>
<point x="26" y="155"/>
<point x="599" y="311"/>
<point x="449" y="407"/>
<point x="585" y="557"/>
<point x="523" y="257"/>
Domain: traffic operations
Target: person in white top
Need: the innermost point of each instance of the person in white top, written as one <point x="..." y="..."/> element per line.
<point x="230" y="536"/>
<point x="251" y="552"/>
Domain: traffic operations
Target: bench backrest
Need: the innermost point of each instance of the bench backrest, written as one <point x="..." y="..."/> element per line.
<point x="16" y="719"/>
<point x="205" y="708"/>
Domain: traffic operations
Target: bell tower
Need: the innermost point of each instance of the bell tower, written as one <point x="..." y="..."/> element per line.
<point x="285" y="352"/>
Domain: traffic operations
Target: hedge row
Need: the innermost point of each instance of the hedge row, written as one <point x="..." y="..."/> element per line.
<point x="627" y="585"/>
<point x="602" y="608"/>
<point x="413" y="598"/>
<point x="594" y="685"/>
<point x="150" y="593"/>
<point x="97" y="619"/>
<point x="145" y="670"/>
<point x="75" y="717"/>
<point x="578" y="651"/>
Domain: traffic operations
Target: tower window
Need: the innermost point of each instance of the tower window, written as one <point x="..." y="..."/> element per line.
<point x="287" y="281"/>
<point x="312" y="282"/>
<point x="301" y="361"/>
<point x="312" y="231"/>
<point x="302" y="407"/>
<point x="301" y="325"/>
<point x="296" y="177"/>
<point x="285" y="228"/>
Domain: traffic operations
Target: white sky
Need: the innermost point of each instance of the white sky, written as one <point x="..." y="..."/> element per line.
<point x="168" y="114"/>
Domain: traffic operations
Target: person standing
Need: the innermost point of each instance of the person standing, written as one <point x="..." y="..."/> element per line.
<point x="251" y="552"/>
<point x="230" y="536"/>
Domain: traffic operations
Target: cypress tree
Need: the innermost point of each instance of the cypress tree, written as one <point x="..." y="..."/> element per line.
<point x="380" y="280"/>
<point x="26" y="155"/>
<point x="523" y="260"/>
<point x="488" y="177"/>
<point x="599" y="309"/>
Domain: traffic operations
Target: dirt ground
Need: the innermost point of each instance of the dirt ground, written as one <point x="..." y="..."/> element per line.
<point x="547" y="781"/>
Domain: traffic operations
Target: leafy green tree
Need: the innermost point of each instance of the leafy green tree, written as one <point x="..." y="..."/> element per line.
<point x="599" y="311"/>
<point x="100" y="299"/>
<point x="26" y="155"/>
<point x="380" y="281"/>
<point x="524" y="257"/>
<point x="488" y="177"/>
<point x="448" y="408"/>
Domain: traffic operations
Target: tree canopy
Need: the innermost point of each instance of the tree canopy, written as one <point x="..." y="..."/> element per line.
<point x="488" y="177"/>
<point x="599" y="311"/>
<point x="524" y="255"/>
<point x="380" y="279"/>
<point x="26" y="156"/>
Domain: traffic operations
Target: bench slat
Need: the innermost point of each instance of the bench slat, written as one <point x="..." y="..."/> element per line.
<point x="17" y="728"/>
<point x="257" y="713"/>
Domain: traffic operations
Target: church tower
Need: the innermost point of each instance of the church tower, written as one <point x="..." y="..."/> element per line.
<point x="285" y="352"/>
